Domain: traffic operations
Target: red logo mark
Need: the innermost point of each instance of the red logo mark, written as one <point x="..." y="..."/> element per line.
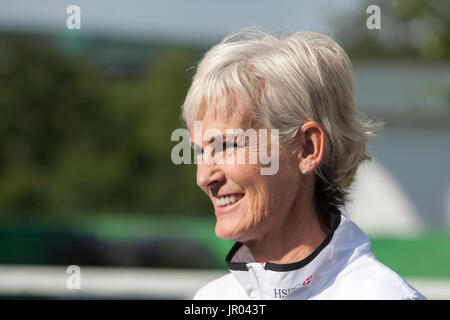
<point x="307" y="281"/>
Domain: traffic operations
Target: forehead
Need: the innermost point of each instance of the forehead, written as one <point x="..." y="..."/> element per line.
<point x="236" y="116"/>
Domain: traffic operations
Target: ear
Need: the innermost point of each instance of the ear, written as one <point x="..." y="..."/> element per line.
<point x="311" y="147"/>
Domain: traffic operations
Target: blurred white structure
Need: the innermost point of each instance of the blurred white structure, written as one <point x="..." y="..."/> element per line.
<point x="103" y="282"/>
<point x="136" y="283"/>
<point x="379" y="205"/>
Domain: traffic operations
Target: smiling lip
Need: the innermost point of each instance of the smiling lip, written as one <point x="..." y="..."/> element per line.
<point x="230" y="207"/>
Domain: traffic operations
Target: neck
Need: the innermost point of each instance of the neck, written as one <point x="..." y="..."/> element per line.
<point x="293" y="240"/>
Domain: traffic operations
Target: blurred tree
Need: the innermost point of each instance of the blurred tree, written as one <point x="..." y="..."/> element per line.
<point x="409" y="29"/>
<point x="75" y="141"/>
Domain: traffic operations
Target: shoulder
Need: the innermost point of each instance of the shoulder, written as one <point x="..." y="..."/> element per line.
<point x="367" y="278"/>
<point x="223" y="288"/>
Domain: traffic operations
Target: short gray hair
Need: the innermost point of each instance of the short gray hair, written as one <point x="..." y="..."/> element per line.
<point x="286" y="82"/>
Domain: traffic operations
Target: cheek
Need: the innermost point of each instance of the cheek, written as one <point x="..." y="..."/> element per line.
<point x="257" y="194"/>
<point x="260" y="203"/>
<point x="267" y="198"/>
<point x="272" y="196"/>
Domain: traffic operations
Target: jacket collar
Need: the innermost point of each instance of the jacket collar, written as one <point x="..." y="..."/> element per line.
<point x="304" y="278"/>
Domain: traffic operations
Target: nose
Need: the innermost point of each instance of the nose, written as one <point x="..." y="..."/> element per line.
<point x="208" y="175"/>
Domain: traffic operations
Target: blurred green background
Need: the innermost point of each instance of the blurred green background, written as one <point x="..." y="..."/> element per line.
<point x="85" y="122"/>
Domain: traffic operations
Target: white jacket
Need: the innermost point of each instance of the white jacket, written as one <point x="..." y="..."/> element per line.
<point x="342" y="267"/>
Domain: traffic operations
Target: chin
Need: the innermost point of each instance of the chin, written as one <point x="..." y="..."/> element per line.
<point x="223" y="232"/>
<point x="227" y="230"/>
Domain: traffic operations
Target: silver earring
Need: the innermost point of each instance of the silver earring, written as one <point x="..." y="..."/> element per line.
<point x="305" y="172"/>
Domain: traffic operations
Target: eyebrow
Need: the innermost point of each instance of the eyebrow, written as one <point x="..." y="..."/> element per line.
<point x="224" y="138"/>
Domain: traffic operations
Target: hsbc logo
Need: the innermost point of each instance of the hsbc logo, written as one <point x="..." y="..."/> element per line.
<point x="281" y="293"/>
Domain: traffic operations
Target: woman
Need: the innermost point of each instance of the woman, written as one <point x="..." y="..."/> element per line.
<point x="292" y="242"/>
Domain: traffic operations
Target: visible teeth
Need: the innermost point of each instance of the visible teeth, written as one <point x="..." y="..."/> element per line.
<point x="227" y="200"/>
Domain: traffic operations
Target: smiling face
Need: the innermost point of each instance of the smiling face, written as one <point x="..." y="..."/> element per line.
<point x="248" y="205"/>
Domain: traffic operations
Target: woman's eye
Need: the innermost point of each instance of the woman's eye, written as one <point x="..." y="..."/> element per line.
<point x="226" y="145"/>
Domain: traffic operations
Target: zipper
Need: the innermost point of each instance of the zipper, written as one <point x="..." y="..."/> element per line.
<point x="255" y="281"/>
